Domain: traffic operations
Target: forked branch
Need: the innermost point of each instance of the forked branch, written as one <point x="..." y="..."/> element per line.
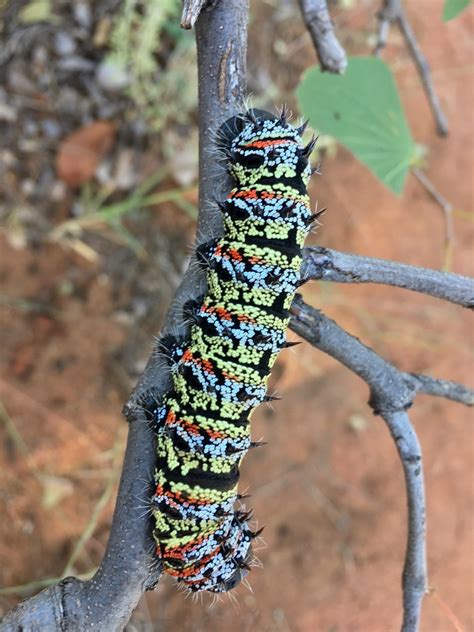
<point x="392" y="392"/>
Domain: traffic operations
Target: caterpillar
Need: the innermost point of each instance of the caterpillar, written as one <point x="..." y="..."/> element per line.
<point x="219" y="373"/>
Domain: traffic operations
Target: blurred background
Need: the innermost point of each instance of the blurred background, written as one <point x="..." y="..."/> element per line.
<point x="98" y="194"/>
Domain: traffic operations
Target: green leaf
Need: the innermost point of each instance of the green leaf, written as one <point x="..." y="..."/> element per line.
<point x="362" y="110"/>
<point x="452" y="8"/>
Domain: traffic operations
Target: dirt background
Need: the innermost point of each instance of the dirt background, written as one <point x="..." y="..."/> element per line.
<point x="77" y="316"/>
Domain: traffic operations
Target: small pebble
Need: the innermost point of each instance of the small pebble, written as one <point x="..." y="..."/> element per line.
<point x="77" y="209"/>
<point x="20" y="84"/>
<point x="82" y="13"/>
<point x="139" y="307"/>
<point x="7" y="158"/>
<point x="69" y="102"/>
<point x="108" y="110"/>
<point x="103" y="173"/>
<point x="30" y="127"/>
<point x="139" y="128"/>
<point x="51" y="128"/>
<point x="111" y="75"/>
<point x="44" y="182"/>
<point x="29" y="146"/>
<point x="125" y="174"/>
<point x="27" y="186"/>
<point x="40" y="57"/>
<point x="76" y="64"/>
<point x="123" y="318"/>
<point x="7" y="113"/>
<point x="58" y="191"/>
<point x="64" y="44"/>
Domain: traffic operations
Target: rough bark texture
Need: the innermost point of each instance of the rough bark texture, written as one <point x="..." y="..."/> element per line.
<point x="331" y="55"/>
<point x="329" y="265"/>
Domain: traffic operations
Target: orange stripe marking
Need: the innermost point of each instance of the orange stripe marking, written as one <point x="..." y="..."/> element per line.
<point x="195" y="568"/>
<point x="268" y="143"/>
<point x="235" y="254"/>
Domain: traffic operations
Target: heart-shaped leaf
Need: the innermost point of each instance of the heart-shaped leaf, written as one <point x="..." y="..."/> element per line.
<point x="362" y="110"/>
<point x="452" y="8"/>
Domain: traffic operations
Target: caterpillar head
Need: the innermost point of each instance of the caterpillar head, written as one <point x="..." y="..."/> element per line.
<point x="265" y="147"/>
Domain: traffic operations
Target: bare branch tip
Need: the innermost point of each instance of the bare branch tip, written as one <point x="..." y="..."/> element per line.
<point x="190" y="13"/>
<point x="393" y="12"/>
<point x="331" y="54"/>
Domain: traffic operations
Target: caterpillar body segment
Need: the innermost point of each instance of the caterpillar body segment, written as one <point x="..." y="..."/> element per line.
<point x="220" y="373"/>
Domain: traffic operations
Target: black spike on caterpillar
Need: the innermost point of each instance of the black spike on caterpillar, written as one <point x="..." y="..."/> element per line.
<point x="219" y="373"/>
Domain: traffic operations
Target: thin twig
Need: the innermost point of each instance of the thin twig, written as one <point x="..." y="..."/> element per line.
<point x="392" y="11"/>
<point x="447" y="611"/>
<point x="424" y="71"/>
<point x="386" y="16"/>
<point x="444" y="388"/>
<point x="191" y="11"/>
<point x="447" y="209"/>
<point x="331" y="55"/>
<point x="330" y="265"/>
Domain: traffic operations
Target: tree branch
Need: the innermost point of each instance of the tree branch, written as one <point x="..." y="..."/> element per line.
<point x="392" y="392"/>
<point x="443" y="388"/>
<point x="414" y="576"/>
<point x="424" y="71"/>
<point x="129" y="567"/>
<point x="331" y="55"/>
<point x="191" y="11"/>
<point x="392" y="11"/>
<point x="329" y="265"/>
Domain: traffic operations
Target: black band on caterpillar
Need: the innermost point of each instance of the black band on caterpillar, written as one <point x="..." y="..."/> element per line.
<point x="220" y="373"/>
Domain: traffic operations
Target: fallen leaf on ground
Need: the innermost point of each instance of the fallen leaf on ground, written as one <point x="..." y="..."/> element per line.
<point x="81" y="152"/>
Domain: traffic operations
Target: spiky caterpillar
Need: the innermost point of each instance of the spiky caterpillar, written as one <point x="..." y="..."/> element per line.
<point x="219" y="374"/>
